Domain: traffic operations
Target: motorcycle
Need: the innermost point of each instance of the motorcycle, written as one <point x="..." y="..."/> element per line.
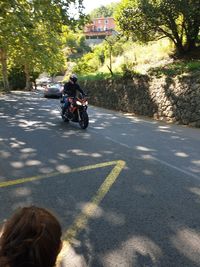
<point x="76" y="111"/>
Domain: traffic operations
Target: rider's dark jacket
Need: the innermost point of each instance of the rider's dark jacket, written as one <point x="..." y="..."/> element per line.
<point x="71" y="89"/>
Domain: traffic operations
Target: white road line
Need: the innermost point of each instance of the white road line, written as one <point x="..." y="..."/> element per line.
<point x="176" y="168"/>
<point x="154" y="158"/>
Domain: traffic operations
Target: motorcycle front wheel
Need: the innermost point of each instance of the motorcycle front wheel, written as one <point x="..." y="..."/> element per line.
<point x="84" y="120"/>
<point x="64" y="118"/>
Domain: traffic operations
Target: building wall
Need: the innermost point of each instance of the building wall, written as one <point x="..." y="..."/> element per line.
<point x="100" y="24"/>
<point x="92" y="42"/>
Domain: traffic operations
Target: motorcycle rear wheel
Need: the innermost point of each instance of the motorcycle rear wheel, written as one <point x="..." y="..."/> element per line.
<point x="84" y="120"/>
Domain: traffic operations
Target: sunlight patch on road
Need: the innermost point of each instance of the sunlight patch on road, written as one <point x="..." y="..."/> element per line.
<point x="143" y="148"/>
<point x="128" y="253"/>
<point x="33" y="162"/>
<point x="195" y="190"/>
<point x="181" y="154"/>
<point x="187" y="242"/>
<point x="80" y="152"/>
<point x="5" y="154"/>
<point x="17" y="164"/>
<point x="196" y="162"/>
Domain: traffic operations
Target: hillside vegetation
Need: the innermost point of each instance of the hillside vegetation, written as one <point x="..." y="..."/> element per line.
<point x="153" y="37"/>
<point x="125" y="58"/>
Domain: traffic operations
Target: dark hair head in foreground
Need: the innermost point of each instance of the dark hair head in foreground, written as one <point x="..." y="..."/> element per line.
<point x="30" y="238"/>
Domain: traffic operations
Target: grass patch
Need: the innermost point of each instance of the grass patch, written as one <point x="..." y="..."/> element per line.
<point x="172" y="69"/>
<point x="155" y="59"/>
<point x="176" y="68"/>
<point x="100" y="76"/>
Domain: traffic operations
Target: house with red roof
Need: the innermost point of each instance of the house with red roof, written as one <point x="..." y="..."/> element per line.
<point x="100" y="28"/>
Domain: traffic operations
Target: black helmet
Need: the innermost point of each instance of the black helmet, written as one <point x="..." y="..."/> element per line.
<point x="73" y="78"/>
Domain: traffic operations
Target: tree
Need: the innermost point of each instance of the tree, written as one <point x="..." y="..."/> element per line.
<point x="147" y="20"/>
<point x="104" y="11"/>
<point x="111" y="41"/>
<point x="30" y="33"/>
<point x="10" y="24"/>
<point x="38" y="49"/>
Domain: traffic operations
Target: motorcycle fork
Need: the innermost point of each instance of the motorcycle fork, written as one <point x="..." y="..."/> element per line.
<point x="79" y="117"/>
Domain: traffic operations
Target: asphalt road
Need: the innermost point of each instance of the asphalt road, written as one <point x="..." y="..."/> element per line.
<point x="126" y="190"/>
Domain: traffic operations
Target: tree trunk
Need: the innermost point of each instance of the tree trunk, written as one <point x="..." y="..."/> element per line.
<point x="190" y="45"/>
<point x="28" y="78"/>
<point x="179" y="47"/>
<point x="3" y="59"/>
<point x="191" y="39"/>
<point x="110" y="58"/>
<point x="174" y="37"/>
<point x="192" y="31"/>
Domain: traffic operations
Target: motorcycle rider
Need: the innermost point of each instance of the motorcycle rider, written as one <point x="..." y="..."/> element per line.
<point x="71" y="88"/>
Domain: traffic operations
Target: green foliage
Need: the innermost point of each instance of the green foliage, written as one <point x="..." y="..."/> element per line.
<point x="115" y="43"/>
<point x="130" y="59"/>
<point x="75" y="44"/>
<point x="127" y="58"/>
<point x="147" y="20"/>
<point x="99" y="53"/>
<point x="31" y="33"/>
<point x="87" y="64"/>
<point x="92" y="61"/>
<point x="99" y="76"/>
<point x="17" y="78"/>
<point x="117" y="49"/>
<point x="104" y="11"/>
<point x="82" y="47"/>
<point x="127" y="69"/>
<point x="1" y="83"/>
<point x="34" y="76"/>
<point x="177" y="68"/>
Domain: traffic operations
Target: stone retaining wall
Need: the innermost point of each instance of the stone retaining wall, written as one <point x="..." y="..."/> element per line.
<point x="171" y="99"/>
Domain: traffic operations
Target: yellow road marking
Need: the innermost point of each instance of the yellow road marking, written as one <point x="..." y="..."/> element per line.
<point x="53" y="174"/>
<point x="82" y="219"/>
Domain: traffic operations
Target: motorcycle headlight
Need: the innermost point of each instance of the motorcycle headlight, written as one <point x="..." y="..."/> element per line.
<point x="86" y="103"/>
<point x="79" y="103"/>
